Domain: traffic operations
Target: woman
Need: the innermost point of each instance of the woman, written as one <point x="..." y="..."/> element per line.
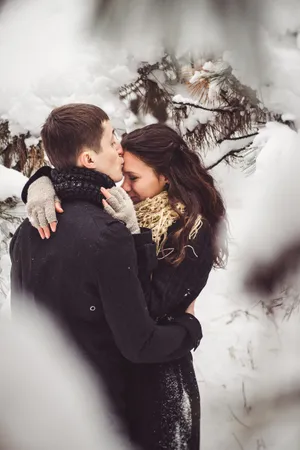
<point x="176" y="198"/>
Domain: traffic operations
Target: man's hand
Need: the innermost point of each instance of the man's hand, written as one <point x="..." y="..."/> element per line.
<point x="191" y="308"/>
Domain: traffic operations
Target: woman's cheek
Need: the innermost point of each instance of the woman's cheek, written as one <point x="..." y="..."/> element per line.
<point x="135" y="187"/>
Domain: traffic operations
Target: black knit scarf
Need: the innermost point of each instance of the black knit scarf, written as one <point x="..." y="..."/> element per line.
<point x="80" y="184"/>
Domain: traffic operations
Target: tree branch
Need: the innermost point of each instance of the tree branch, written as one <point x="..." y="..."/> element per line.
<point x="220" y="110"/>
<point x="227" y="155"/>
<point x="241" y="137"/>
<point x="228" y="138"/>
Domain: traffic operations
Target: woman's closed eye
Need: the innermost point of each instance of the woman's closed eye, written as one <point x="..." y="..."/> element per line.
<point x="130" y="176"/>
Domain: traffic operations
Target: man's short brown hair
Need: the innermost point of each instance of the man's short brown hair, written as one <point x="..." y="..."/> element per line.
<point x="70" y="128"/>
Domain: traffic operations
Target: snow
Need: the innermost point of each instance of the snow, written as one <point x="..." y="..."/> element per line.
<point x="245" y="356"/>
<point x="63" y="67"/>
<point x="271" y="221"/>
<point x="196" y="115"/>
<point x="197" y="75"/>
<point x="10" y="219"/>
<point x="11" y="183"/>
<point x="180" y="99"/>
<point x="72" y="65"/>
<point x="276" y="73"/>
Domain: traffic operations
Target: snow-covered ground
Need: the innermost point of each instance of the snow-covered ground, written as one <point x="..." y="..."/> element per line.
<point x="244" y="357"/>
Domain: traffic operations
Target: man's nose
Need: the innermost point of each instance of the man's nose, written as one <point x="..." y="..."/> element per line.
<point x="120" y="150"/>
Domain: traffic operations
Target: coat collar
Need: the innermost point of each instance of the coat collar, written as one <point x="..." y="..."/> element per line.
<point x="80" y="184"/>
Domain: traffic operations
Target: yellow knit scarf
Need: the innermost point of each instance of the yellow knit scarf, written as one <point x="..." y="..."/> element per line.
<point x="157" y="214"/>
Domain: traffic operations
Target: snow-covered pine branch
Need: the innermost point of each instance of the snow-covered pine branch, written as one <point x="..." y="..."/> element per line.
<point x="20" y="152"/>
<point x="12" y="213"/>
<point x="203" y="100"/>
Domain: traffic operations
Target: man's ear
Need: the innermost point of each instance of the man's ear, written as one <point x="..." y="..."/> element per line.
<point x="85" y="159"/>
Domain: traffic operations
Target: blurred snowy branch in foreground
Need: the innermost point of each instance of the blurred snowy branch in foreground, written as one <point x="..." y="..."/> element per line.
<point x="48" y="396"/>
<point x="270" y="228"/>
<point x="182" y="25"/>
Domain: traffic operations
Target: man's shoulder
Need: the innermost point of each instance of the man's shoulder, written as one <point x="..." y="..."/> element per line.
<point x="82" y="225"/>
<point x="91" y="221"/>
<point x="84" y="214"/>
<point x="25" y="225"/>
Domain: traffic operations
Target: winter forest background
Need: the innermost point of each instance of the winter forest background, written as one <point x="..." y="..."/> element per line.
<point x="226" y="75"/>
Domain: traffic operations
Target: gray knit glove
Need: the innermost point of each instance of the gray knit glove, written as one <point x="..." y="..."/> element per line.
<point x="120" y="206"/>
<point x="41" y="200"/>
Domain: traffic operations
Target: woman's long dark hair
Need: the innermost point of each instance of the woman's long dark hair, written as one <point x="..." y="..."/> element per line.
<point x="161" y="148"/>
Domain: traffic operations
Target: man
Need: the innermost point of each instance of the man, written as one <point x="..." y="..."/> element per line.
<point x="86" y="274"/>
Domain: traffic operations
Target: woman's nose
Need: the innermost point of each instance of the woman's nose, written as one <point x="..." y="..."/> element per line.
<point x="126" y="185"/>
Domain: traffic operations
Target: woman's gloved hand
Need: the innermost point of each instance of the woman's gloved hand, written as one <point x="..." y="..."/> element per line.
<point x="119" y="205"/>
